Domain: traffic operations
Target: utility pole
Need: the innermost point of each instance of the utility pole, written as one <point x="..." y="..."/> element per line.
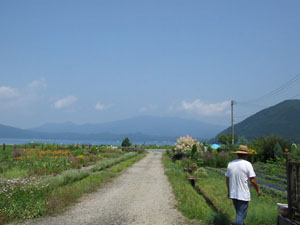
<point x="232" y="125"/>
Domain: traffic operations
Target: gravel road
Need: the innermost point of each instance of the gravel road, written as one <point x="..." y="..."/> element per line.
<point x="141" y="195"/>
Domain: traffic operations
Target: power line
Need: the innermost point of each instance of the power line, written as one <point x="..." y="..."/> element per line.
<point x="243" y="116"/>
<point x="296" y="96"/>
<point x="277" y="91"/>
<point x="250" y="104"/>
<point x="284" y="87"/>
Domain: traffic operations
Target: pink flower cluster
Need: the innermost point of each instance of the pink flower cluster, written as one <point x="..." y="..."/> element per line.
<point x="10" y="187"/>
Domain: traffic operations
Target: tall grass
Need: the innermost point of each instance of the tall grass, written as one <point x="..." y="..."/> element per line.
<point x="262" y="210"/>
<point x="190" y="203"/>
<point x="15" y="172"/>
<point x="66" y="177"/>
<point x="110" y="162"/>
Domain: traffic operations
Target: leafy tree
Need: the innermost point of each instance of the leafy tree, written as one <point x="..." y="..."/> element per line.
<point x="126" y="142"/>
<point x="243" y="141"/>
<point x="265" y="146"/>
<point x="194" y="151"/>
<point x="226" y="139"/>
<point x="295" y="151"/>
<point x="278" y="150"/>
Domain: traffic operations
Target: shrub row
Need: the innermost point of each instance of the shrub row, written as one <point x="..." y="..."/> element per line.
<point x="108" y="163"/>
<point x="66" y="177"/>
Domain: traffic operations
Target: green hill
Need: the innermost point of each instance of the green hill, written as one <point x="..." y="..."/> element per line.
<point x="282" y="120"/>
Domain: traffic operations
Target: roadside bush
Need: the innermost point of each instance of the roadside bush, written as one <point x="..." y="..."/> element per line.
<point x="184" y="144"/>
<point x="200" y="162"/>
<point x="209" y="159"/>
<point x="201" y="172"/>
<point x="66" y="177"/>
<point x="222" y="159"/>
<point x="110" y="162"/>
<point x="265" y="146"/>
<point x="295" y="152"/>
<point x="194" y="152"/>
<point x="274" y="166"/>
<point x="278" y="150"/>
<point x="178" y="156"/>
<point x="187" y="163"/>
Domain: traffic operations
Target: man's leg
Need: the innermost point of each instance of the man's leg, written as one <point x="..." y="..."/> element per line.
<point x="241" y="208"/>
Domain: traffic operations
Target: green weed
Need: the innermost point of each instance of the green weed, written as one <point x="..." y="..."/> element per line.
<point x="190" y="202"/>
<point x="15" y="172"/>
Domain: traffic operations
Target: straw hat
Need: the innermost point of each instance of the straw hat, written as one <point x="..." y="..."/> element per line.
<point x="243" y="149"/>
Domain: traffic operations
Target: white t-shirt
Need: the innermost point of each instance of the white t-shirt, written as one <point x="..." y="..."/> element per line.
<point x="239" y="171"/>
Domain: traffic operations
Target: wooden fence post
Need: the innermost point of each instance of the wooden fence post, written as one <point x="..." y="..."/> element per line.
<point x="15" y="147"/>
<point x="3" y="148"/>
<point x="24" y="146"/>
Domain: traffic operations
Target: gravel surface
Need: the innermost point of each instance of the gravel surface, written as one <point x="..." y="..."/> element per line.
<point x="141" y="195"/>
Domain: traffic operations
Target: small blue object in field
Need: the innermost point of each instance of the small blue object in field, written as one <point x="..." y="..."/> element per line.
<point x="215" y="146"/>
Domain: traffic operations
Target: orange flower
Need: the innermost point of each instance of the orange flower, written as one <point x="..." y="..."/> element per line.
<point x="286" y="150"/>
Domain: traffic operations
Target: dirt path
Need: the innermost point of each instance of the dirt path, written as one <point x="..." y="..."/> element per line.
<point x="142" y="195"/>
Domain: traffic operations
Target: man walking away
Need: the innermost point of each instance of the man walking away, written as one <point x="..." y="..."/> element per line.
<point x="239" y="173"/>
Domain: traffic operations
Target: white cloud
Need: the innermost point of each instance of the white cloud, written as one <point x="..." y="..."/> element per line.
<point x="42" y="83"/>
<point x="19" y="98"/>
<point x="65" y="102"/>
<point x="147" y="108"/>
<point x="143" y="109"/>
<point x="8" y="93"/>
<point x="99" y="106"/>
<point x="205" y="109"/>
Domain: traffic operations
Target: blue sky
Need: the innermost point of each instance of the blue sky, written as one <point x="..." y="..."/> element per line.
<point x="97" y="61"/>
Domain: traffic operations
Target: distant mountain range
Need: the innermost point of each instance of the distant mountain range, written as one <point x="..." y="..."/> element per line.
<point x="282" y="120"/>
<point x="148" y="125"/>
<point x="141" y="129"/>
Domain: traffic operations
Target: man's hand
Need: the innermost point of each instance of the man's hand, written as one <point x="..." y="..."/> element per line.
<point x="259" y="192"/>
<point x="254" y="182"/>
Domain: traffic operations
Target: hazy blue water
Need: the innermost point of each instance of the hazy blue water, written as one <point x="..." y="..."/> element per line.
<point x="68" y="142"/>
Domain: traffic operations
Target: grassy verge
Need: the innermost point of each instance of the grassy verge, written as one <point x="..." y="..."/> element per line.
<point x="46" y="200"/>
<point x="190" y="203"/>
<point x="110" y="162"/>
<point x="262" y="210"/>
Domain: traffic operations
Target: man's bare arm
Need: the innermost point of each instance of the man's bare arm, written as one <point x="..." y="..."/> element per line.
<point x="227" y="184"/>
<point x="255" y="184"/>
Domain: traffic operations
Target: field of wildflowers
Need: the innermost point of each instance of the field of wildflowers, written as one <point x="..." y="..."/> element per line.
<point x="30" y="174"/>
<point x="37" y="160"/>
